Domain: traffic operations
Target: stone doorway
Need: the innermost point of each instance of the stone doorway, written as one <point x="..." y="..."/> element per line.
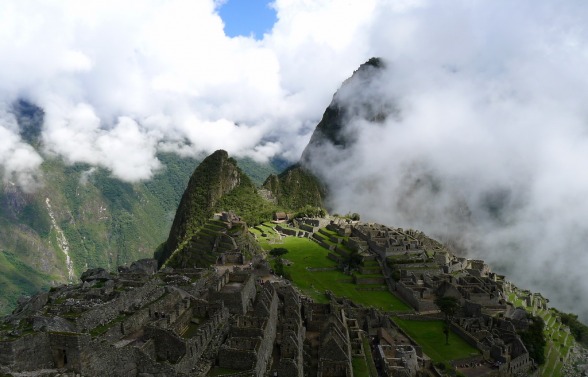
<point x="60" y="358"/>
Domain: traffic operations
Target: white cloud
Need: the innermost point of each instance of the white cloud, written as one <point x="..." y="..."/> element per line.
<point x="491" y="139"/>
<point x="19" y="162"/>
<point x="492" y="96"/>
<point x="170" y="67"/>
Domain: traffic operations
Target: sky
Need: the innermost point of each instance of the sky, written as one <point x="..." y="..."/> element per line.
<point x="488" y="147"/>
<point x="247" y="18"/>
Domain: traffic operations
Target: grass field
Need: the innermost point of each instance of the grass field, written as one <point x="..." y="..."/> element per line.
<point x="429" y="335"/>
<point x="360" y="368"/>
<point x="304" y="253"/>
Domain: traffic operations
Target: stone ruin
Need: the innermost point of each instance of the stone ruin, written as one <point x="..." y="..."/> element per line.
<point x="184" y="322"/>
<point x="146" y="322"/>
<point x="419" y="273"/>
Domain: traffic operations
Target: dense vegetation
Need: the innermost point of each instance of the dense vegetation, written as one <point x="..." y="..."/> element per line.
<point x="534" y="339"/>
<point x="218" y="185"/>
<point x="245" y="201"/>
<point x="296" y="188"/>
<point x="216" y="176"/>
<point x="107" y="222"/>
<point x="577" y="328"/>
<point x="17" y="279"/>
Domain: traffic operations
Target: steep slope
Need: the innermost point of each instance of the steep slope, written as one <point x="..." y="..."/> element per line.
<point x="295" y="188"/>
<point x="100" y="220"/>
<point x="301" y="184"/>
<point x="97" y="220"/>
<point x="217" y="184"/>
<point x="216" y="176"/>
<point x="211" y="241"/>
<point x="351" y="100"/>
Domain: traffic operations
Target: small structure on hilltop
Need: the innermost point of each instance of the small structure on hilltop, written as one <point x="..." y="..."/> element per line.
<point x="281" y="217"/>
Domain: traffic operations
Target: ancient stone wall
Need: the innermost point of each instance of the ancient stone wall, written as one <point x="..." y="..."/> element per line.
<point x="239" y="353"/>
<point x="29" y="352"/>
<point x="331" y="368"/>
<point x="146" y="366"/>
<point x="471" y="340"/>
<point x="103" y="314"/>
<point x="69" y="349"/>
<point x="519" y="365"/>
<point x="237" y="300"/>
<point x="407" y="294"/>
<point x="369" y="280"/>
<point x="102" y="359"/>
<point x="168" y="346"/>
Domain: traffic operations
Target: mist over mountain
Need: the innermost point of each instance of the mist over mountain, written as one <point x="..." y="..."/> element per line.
<point x="498" y="181"/>
<point x="475" y="129"/>
<point x="99" y="220"/>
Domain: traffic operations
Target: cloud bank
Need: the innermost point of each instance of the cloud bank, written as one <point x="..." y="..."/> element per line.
<point x="485" y="143"/>
<point x="120" y="81"/>
<point x="488" y="147"/>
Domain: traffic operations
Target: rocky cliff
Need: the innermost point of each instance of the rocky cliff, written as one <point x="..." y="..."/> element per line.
<point x="351" y="100"/>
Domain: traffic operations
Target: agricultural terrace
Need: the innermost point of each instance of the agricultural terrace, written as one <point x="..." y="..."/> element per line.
<point x="430" y="336"/>
<point x="558" y="337"/>
<point x="304" y="256"/>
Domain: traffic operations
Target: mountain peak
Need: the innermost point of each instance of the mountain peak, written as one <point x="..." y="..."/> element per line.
<point x="216" y="176"/>
<point x="346" y="104"/>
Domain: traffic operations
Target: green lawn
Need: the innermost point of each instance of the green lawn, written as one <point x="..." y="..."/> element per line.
<point x="429" y="335"/>
<point x="305" y="253"/>
<point x="218" y="371"/>
<point x="360" y="368"/>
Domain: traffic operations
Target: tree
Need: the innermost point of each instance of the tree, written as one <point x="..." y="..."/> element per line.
<point x="448" y="305"/>
<point x="534" y="338"/>
<point x="351" y="261"/>
<point x="278" y="251"/>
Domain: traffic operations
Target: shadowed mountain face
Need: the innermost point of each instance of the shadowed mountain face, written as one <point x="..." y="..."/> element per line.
<point x="101" y="221"/>
<point x="302" y="184"/>
<point x="215" y="177"/>
<point x="216" y="185"/>
<point x="331" y="129"/>
<point x="30" y="120"/>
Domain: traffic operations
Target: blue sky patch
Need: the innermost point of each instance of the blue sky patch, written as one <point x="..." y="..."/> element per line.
<point x="247" y="17"/>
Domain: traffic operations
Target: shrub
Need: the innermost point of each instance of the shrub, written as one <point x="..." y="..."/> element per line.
<point x="278" y="251"/>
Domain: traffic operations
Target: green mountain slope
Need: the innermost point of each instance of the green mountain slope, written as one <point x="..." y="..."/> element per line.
<point x="104" y="221"/>
<point x="217" y="184"/>
<point x="295" y="188"/>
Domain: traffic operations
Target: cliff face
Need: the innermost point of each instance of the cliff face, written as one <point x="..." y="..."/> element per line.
<point x="351" y="100"/>
<point x="301" y="185"/>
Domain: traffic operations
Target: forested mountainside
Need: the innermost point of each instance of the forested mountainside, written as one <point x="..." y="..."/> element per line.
<point x="218" y="184"/>
<point x="98" y="220"/>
